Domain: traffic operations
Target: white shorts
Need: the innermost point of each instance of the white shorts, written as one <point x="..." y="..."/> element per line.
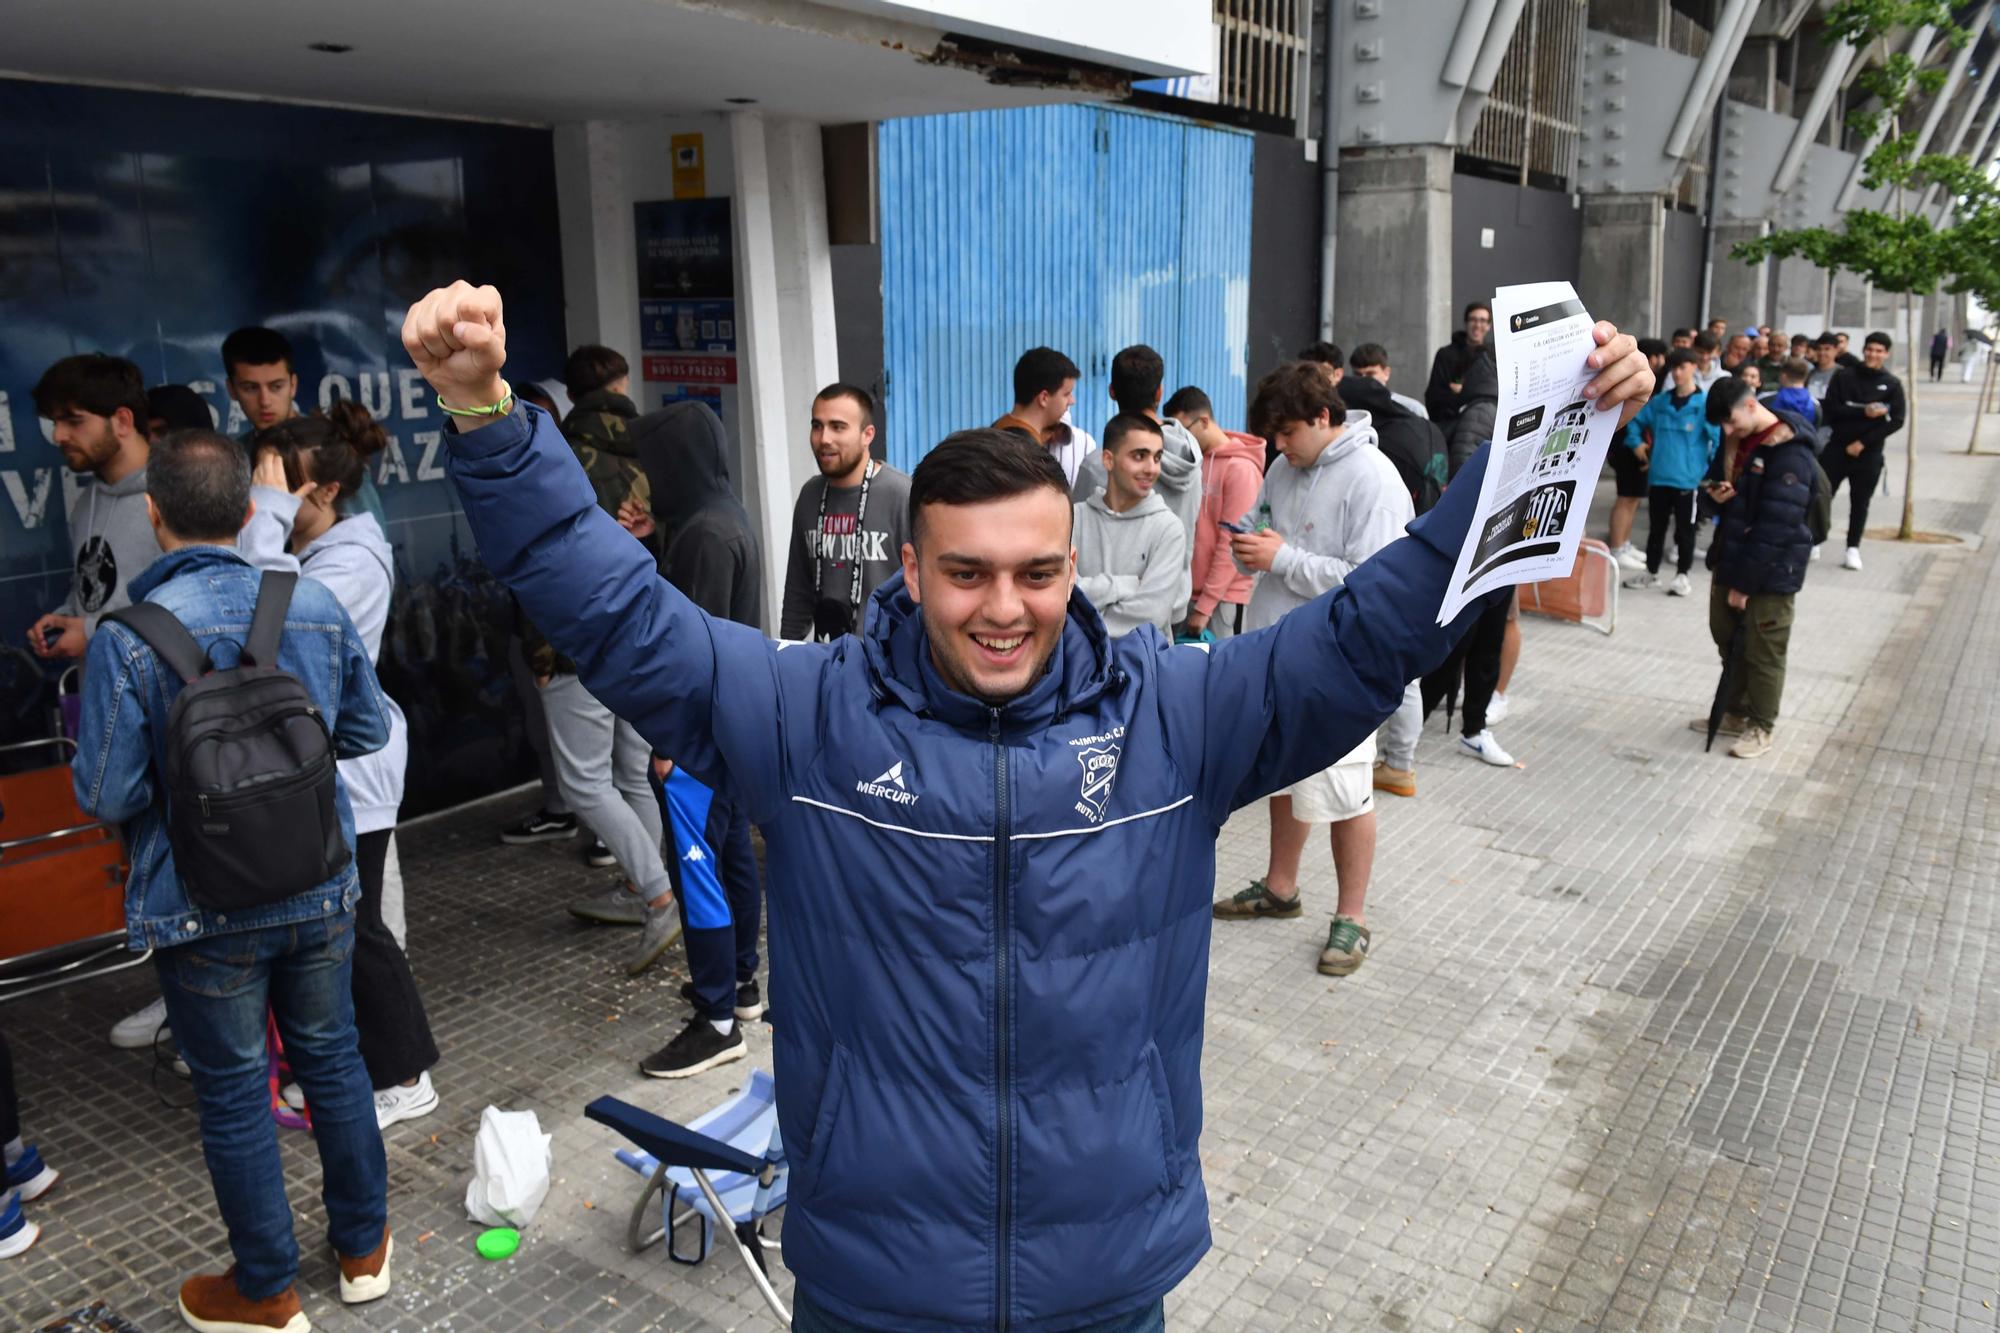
<point x="1343" y="792"/>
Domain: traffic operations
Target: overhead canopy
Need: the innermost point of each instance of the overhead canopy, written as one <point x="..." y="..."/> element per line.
<point x="531" y="61"/>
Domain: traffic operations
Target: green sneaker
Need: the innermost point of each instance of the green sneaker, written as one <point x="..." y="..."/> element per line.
<point x="1254" y="903"/>
<point x="1346" y="947"/>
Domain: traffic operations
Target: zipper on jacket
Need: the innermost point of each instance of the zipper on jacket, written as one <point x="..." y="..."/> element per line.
<point x="1003" y="1000"/>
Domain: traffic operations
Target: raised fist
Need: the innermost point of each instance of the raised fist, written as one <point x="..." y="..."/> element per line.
<point x="457" y="339"/>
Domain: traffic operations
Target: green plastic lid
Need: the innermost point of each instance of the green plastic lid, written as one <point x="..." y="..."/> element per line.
<point x="498" y="1243"/>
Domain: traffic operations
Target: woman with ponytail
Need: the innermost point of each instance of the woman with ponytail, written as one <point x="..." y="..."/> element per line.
<point x="309" y="473"/>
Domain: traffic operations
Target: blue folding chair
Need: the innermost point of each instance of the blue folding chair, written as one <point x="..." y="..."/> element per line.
<point x="728" y="1164"/>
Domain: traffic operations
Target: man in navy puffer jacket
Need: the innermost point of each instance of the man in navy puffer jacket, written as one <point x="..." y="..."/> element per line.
<point x="1763" y="478"/>
<point x="991" y="835"/>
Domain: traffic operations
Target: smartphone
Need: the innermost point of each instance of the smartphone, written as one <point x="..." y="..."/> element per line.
<point x="1229" y="526"/>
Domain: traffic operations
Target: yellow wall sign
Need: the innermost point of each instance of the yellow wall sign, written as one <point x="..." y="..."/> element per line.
<point x="690" y="173"/>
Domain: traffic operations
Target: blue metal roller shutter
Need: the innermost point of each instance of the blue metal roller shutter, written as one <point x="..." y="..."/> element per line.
<point x="1077" y="227"/>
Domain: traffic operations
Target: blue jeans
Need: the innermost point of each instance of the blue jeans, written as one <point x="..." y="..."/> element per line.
<point x="217" y="990"/>
<point x="809" y="1318"/>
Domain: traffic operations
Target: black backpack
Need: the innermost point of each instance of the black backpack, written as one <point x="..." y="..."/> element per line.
<point x="251" y="810"/>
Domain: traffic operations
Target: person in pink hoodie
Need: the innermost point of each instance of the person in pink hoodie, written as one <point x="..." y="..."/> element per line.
<point x="1232" y="472"/>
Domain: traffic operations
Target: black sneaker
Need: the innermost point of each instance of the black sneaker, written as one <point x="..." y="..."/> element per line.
<point x="698" y="1047"/>
<point x="597" y="856"/>
<point x="749" y="1000"/>
<point x="539" y="827"/>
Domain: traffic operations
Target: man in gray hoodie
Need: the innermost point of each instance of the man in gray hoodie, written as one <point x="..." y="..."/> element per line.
<point x="1131" y="555"/>
<point x="1137" y="374"/>
<point x="1330" y="501"/>
<point x="98" y="406"/>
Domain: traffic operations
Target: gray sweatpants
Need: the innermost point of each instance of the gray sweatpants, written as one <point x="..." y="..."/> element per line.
<point x="601" y="763"/>
<point x="1396" y="742"/>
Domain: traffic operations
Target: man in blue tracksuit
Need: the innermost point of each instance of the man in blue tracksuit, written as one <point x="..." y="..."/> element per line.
<point x="1674" y="443"/>
<point x="991" y="836"/>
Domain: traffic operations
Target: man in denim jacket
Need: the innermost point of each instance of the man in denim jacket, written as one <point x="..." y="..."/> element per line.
<point x="220" y="971"/>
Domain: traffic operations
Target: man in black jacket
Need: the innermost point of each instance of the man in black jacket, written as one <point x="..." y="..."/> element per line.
<point x="1762" y="479"/>
<point x="712" y="557"/>
<point x="1414" y="445"/>
<point x="1863" y="407"/>
<point x="1444" y="395"/>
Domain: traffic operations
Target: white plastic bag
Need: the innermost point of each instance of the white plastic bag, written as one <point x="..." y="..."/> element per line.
<point x="511" y="1161"/>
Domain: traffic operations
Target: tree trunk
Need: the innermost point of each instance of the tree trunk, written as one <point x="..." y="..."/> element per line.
<point x="1909" y="526"/>
<point x="1985" y="392"/>
<point x="1908" y="529"/>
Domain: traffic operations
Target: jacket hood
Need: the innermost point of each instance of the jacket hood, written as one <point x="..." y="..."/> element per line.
<point x="359" y="531"/>
<point x="132" y="483"/>
<point x="1152" y="504"/>
<point x="1360" y="434"/>
<point x="1236" y="444"/>
<point x="604" y="400"/>
<point x="1802" y="430"/>
<point x="1180" y="460"/>
<point x="1372" y="397"/>
<point x="897" y="648"/>
<point x="683" y="448"/>
<point x="180" y="561"/>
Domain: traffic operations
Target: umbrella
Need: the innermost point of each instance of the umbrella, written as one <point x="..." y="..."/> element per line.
<point x="1732" y="678"/>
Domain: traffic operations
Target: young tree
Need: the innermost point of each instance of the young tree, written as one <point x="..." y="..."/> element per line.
<point x="1896" y="251"/>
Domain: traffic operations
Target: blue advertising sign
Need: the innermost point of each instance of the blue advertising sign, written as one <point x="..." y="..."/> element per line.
<point x="151" y="225"/>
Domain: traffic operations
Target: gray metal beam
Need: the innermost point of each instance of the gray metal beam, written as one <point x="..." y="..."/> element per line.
<point x="1980" y="157"/>
<point x="1492" y="50"/>
<point x="1920" y="45"/>
<point x="1465" y="43"/>
<point x="1713" y="70"/>
<point x="1953" y="78"/>
<point x="1839" y="70"/>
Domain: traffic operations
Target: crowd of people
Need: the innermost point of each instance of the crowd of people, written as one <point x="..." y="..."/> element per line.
<point x="1821" y="416"/>
<point x="956" y="766"/>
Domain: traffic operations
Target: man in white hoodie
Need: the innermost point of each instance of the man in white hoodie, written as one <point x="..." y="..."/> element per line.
<point x="1137" y="374"/>
<point x="1131" y="555"/>
<point x="1329" y="502"/>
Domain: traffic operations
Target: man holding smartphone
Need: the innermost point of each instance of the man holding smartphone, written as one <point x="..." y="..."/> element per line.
<point x="1863" y="408"/>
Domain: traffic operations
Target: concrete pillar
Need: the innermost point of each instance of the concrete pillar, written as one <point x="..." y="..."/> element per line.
<point x="1739" y="292"/>
<point x="1393" y="260"/>
<point x="600" y="268"/>
<point x="1624" y="237"/>
<point x="763" y="395"/>
<point x="1801" y="300"/>
<point x="1850" y="301"/>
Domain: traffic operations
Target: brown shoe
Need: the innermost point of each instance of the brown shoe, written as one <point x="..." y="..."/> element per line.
<point x="1395" y="781"/>
<point x="1255" y="903"/>
<point x="366" y="1278"/>
<point x="210" y="1303"/>
<point x="1732" y="725"/>
<point x="1755" y="743"/>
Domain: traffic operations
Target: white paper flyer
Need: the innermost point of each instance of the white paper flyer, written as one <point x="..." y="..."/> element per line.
<point x="1548" y="447"/>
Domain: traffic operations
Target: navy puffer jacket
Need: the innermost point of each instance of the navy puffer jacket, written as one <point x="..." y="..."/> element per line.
<point x="989" y="928"/>
<point x="1763" y="542"/>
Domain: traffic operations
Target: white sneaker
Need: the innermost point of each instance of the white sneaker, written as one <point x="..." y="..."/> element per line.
<point x="1629" y="557"/>
<point x="135" y="1032"/>
<point x="1853" y="560"/>
<point x="1680" y="587"/>
<point x="1497" y="710"/>
<point x="400" y="1103"/>
<point x="1642" y="580"/>
<point x="1484" y="746"/>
